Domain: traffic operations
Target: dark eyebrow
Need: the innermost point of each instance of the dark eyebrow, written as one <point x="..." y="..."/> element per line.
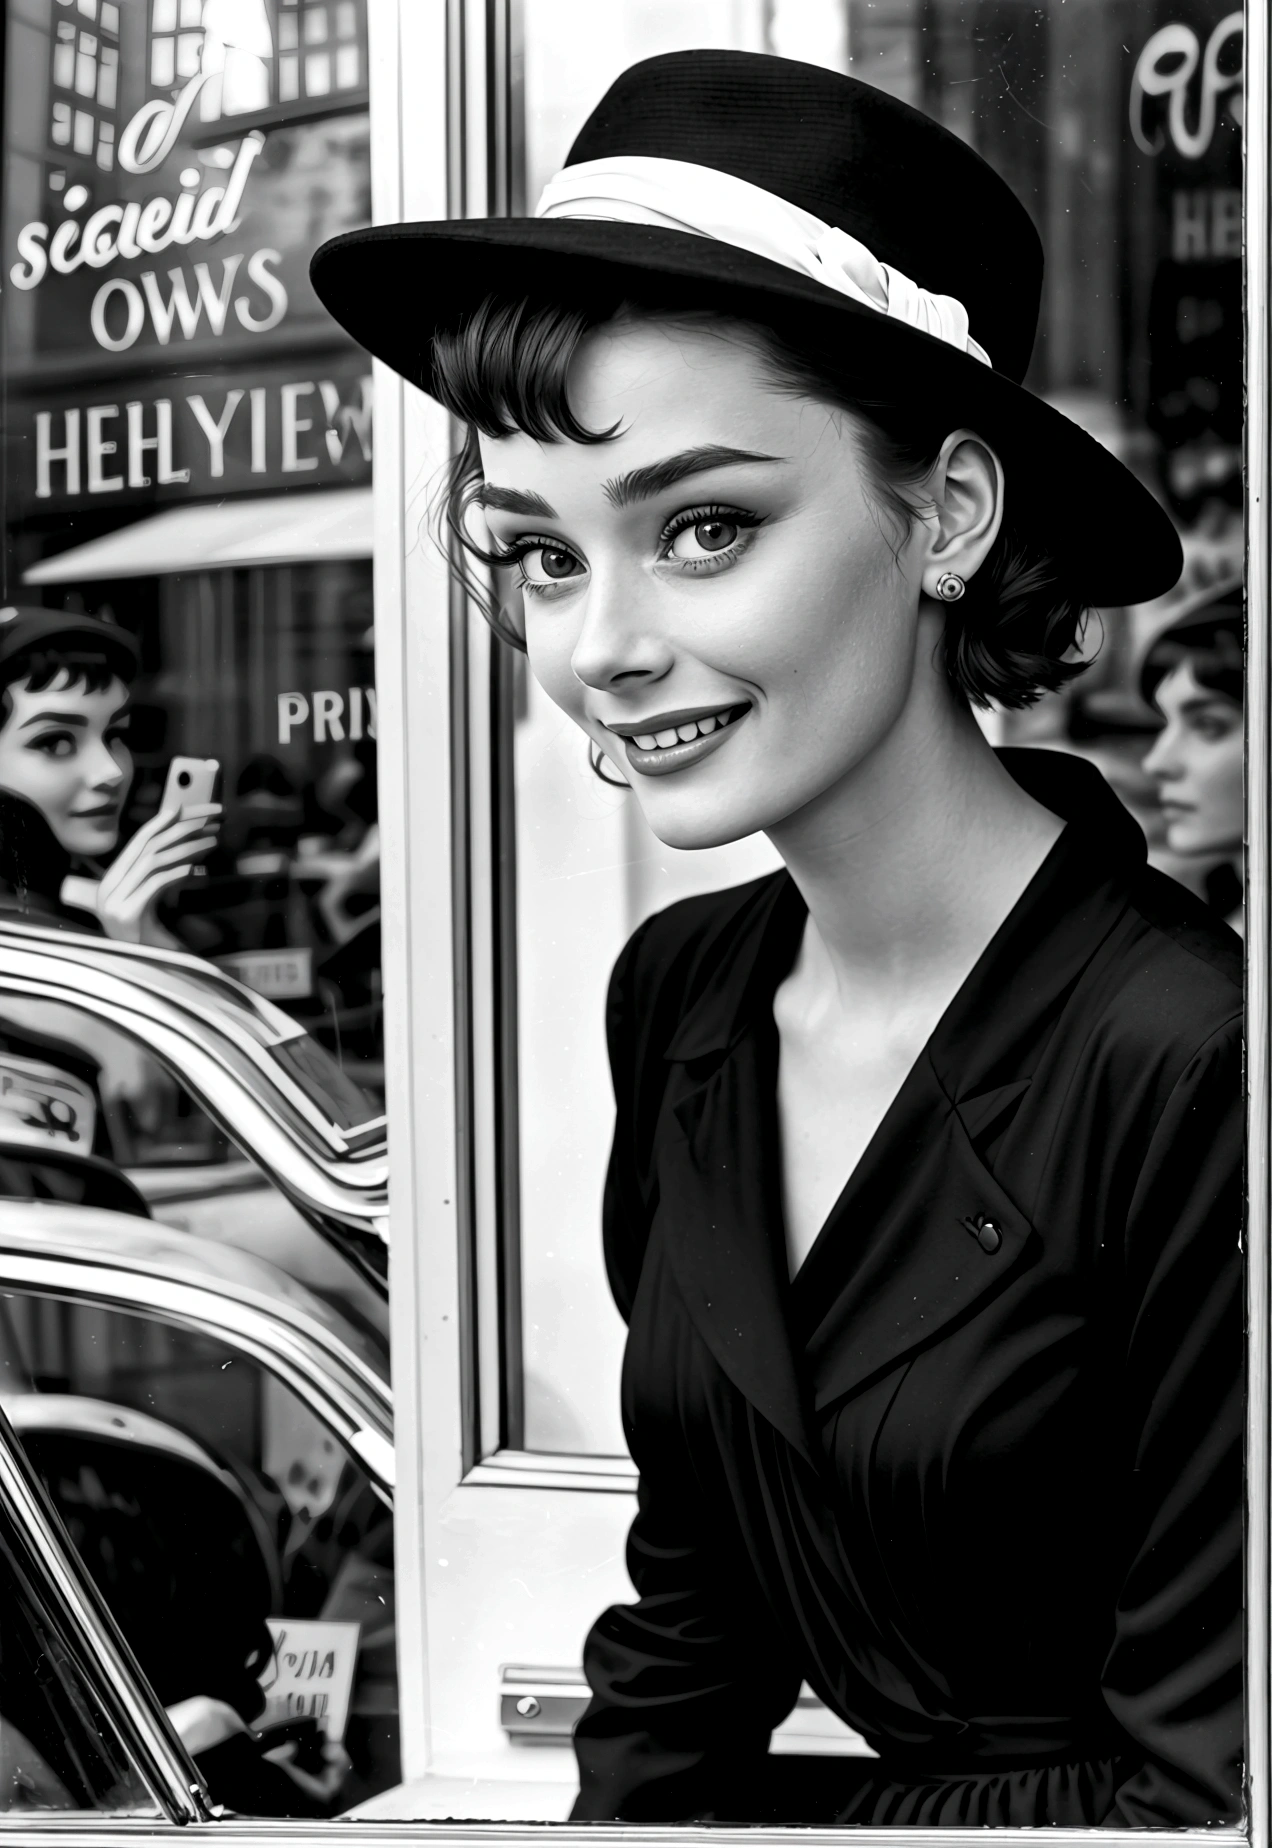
<point x="54" y="718"/>
<point x="655" y="477"/>
<point x="640" y="484"/>
<point x="512" y="500"/>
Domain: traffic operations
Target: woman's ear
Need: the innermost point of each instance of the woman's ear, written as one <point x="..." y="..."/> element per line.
<point x="964" y="513"/>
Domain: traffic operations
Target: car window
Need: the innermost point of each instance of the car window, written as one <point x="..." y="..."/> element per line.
<point x="143" y="1117"/>
<point x="57" y="1750"/>
<point x="301" y="1537"/>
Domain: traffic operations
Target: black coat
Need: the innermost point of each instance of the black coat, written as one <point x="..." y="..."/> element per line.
<point x="976" y="1473"/>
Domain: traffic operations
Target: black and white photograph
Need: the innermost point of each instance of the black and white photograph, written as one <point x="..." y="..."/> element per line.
<point x="634" y="924"/>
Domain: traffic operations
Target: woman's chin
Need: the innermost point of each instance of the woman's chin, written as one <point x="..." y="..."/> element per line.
<point x="692" y="827"/>
<point x="89" y="840"/>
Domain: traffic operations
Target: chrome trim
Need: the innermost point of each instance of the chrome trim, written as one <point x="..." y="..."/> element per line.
<point x="276" y="1328"/>
<point x="344" y="1199"/>
<point x="252" y="1025"/>
<point x="1258" y="462"/>
<point x="103" y="1658"/>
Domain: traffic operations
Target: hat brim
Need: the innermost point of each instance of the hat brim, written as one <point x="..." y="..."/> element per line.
<point x="393" y="287"/>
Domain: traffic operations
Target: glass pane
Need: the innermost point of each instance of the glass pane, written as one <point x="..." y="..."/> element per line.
<point x="214" y="403"/>
<point x="318" y="73"/>
<point x="1132" y="173"/>
<point x="162" y="63"/>
<point x="240" y="1501"/>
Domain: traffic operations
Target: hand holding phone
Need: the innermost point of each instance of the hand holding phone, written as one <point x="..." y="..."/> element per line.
<point x="166" y="850"/>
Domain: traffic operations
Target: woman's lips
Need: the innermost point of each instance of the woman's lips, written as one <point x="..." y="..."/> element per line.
<point x="663" y="759"/>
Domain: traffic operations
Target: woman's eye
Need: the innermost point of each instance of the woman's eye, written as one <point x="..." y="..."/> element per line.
<point x="704" y="538"/>
<point x="55" y="744"/>
<point x="548" y="564"/>
<point x="1213" y="728"/>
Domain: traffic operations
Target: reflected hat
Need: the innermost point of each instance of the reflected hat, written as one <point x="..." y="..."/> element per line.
<point x="765" y="186"/>
<point x="23" y="630"/>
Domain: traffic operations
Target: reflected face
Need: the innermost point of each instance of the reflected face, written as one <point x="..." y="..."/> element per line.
<point x="711" y="595"/>
<point x="63" y="749"/>
<point x="1197" y="762"/>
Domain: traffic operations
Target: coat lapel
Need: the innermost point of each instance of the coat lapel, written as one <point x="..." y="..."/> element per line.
<point x="719" y="1212"/>
<point x="922" y="1238"/>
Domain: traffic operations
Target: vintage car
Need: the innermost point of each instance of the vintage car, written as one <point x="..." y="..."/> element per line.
<point x="153" y="1082"/>
<point x="192" y="1446"/>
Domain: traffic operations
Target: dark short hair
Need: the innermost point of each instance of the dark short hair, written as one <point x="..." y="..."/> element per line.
<point x="1211" y="643"/>
<point x="505" y="368"/>
<point x="85" y="666"/>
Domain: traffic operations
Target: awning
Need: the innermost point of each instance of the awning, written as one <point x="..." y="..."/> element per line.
<point x="281" y="529"/>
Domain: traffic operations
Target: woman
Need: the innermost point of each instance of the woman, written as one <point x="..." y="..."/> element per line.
<point x="924" y="1200"/>
<point x="1194" y="675"/>
<point x="65" y="772"/>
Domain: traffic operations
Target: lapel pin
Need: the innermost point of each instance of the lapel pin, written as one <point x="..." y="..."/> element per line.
<point x="987" y="1235"/>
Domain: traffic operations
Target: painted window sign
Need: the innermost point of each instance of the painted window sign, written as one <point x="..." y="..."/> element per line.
<point x="1184" y="113"/>
<point x="169" y="438"/>
<point x="171" y="192"/>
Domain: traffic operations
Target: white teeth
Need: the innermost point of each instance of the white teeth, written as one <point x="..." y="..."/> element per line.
<point x="686" y="733"/>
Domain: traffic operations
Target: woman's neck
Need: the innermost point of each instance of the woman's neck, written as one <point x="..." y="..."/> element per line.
<point x="909" y="865"/>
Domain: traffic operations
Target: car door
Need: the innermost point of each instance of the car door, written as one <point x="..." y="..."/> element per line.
<point x="220" y="1450"/>
<point x="80" y="1736"/>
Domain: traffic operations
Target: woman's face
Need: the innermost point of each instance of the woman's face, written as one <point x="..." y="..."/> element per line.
<point x="711" y="595"/>
<point x="63" y="749"/>
<point x="1197" y="762"/>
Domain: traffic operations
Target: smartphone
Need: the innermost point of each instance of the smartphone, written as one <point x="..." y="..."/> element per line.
<point x="190" y="780"/>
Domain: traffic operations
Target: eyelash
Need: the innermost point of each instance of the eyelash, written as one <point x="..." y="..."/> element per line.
<point x="747" y="523"/>
<point x="118" y="734"/>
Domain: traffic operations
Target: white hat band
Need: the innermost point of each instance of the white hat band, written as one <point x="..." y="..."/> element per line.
<point x="638" y="189"/>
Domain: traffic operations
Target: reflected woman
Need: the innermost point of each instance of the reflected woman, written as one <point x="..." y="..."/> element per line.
<point x="1194" y="675"/>
<point x="65" y="774"/>
<point x="924" y="1203"/>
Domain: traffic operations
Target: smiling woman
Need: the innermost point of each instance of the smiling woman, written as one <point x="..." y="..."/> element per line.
<point x="924" y="1200"/>
<point x="65" y="771"/>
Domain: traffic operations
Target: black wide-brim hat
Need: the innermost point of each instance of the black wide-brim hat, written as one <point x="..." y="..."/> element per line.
<point x="917" y="197"/>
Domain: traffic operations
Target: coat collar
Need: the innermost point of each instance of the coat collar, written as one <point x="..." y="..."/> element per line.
<point x="899" y="1256"/>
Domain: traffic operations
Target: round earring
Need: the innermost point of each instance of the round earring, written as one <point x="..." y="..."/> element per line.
<point x="950" y="587"/>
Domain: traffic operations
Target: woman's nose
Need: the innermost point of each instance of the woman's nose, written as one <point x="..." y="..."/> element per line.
<point x="619" y="640"/>
<point x="1160" y="760"/>
<point x="103" y="769"/>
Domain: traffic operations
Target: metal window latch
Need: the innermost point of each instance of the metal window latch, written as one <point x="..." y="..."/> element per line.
<point x="541" y="1706"/>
